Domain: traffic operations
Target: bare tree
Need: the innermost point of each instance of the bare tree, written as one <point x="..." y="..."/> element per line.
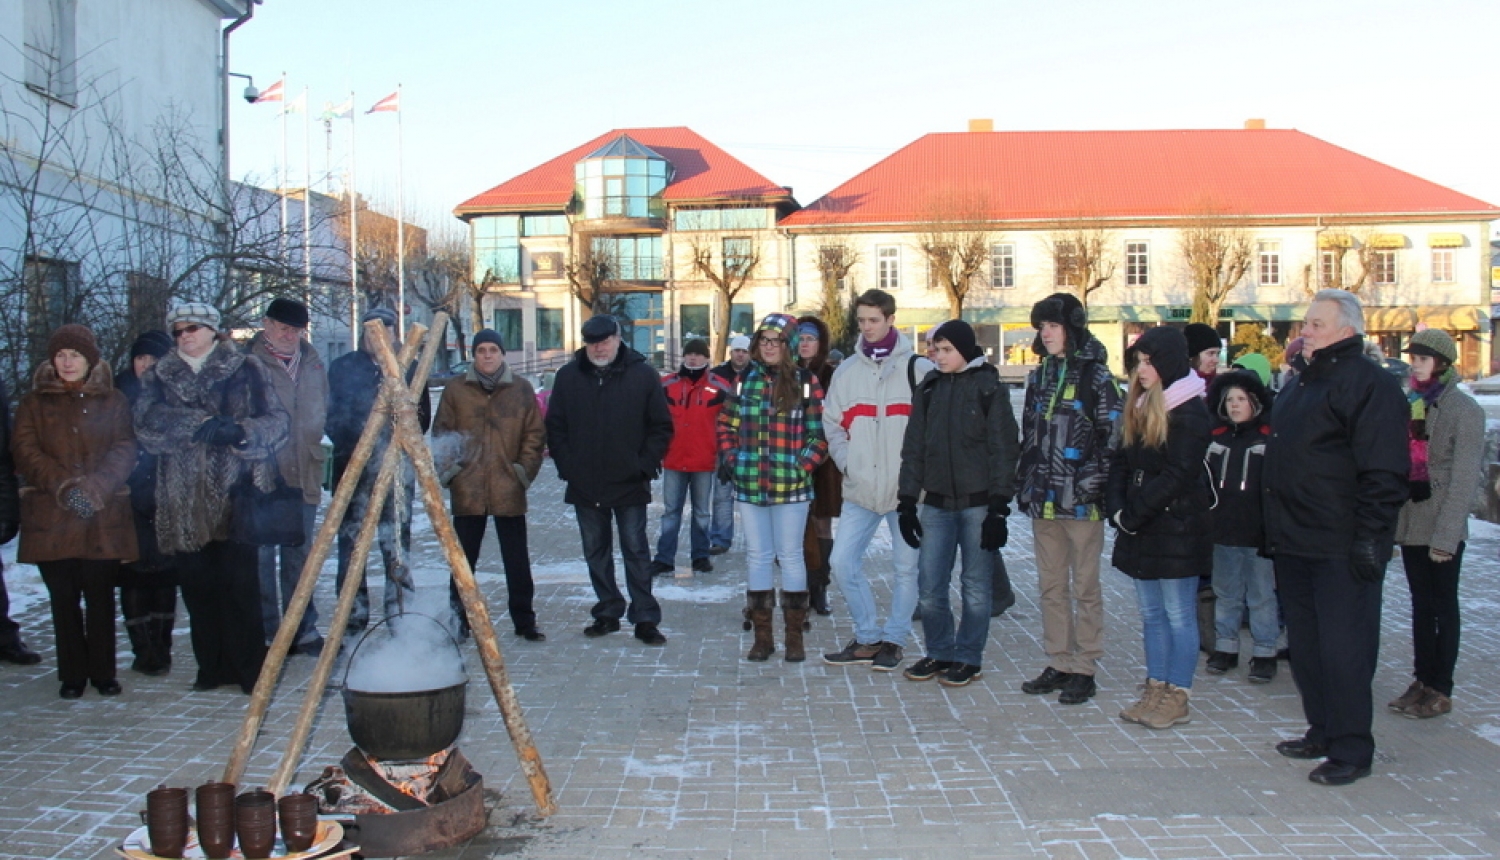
<point x="728" y="263"/>
<point x="1216" y="254"/>
<point x="837" y="257"/>
<point x="1337" y="244"/>
<point x="443" y="280"/>
<point x="593" y="273"/>
<point x="954" y="237"/>
<point x="1083" y="258"/>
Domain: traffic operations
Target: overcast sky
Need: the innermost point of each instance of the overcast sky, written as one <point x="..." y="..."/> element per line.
<point x="811" y="92"/>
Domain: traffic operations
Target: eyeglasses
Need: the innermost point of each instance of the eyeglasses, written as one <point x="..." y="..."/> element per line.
<point x="187" y="329"/>
<point x="778" y="341"/>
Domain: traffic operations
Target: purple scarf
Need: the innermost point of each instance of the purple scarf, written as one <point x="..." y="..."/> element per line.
<point x="878" y="350"/>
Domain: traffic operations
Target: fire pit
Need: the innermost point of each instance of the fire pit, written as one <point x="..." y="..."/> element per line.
<point x="398" y="808"/>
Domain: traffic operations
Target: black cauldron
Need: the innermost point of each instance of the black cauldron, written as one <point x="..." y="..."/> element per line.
<point x="408" y="725"/>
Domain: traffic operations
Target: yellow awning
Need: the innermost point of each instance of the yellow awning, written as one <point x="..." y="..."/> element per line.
<point x="1390" y="319"/>
<point x="1445" y="240"/>
<point x="1387" y="240"/>
<point x="1446" y="317"/>
<point x="1329" y="241"/>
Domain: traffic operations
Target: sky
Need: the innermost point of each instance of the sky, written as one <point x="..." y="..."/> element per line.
<point x="810" y="93"/>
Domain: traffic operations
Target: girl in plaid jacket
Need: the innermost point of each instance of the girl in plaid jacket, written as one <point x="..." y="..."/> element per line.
<point x="770" y="441"/>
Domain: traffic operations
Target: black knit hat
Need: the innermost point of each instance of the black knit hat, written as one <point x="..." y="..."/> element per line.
<point x="288" y="312"/>
<point x="961" y="335"/>
<point x="1200" y="337"/>
<point x="154" y="342"/>
<point x="1067" y="311"/>
<point x="487" y="335"/>
<point x="1168" y="349"/>
<point x="696" y="346"/>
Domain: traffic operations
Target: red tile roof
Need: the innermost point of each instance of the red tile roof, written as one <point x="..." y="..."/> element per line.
<point x="1048" y="175"/>
<point x="701" y="171"/>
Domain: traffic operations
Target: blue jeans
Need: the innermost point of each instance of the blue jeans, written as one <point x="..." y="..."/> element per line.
<point x="675" y="487"/>
<point x="721" y="533"/>
<point x="944" y="534"/>
<point x="1242" y="578"/>
<point x="774" y="533"/>
<point x="292" y="560"/>
<point x="856" y="526"/>
<point x="1169" y="616"/>
<point x="599" y="552"/>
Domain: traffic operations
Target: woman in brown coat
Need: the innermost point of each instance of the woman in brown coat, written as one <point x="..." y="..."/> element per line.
<point x="817" y="543"/>
<point x="74" y="448"/>
<point x="489" y="436"/>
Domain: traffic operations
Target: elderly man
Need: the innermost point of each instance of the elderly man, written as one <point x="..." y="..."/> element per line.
<point x="731" y="373"/>
<point x="296" y="371"/>
<point x="608" y="428"/>
<point x="1335" y="479"/>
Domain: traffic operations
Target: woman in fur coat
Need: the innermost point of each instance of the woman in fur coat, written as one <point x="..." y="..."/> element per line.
<point x="212" y="418"/>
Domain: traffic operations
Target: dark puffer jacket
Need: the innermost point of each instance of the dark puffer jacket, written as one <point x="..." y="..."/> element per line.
<point x="1065" y="453"/>
<point x="1163" y="499"/>
<point x="961" y="455"/>
<point x="608" y="429"/>
<point x="1236" y="459"/>
<point x="828" y="482"/>
<point x="1337" y="462"/>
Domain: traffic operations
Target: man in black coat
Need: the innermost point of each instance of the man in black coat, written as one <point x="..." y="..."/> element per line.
<point x="12" y="649"/>
<point x="1335" y="478"/>
<point x="608" y="428"/>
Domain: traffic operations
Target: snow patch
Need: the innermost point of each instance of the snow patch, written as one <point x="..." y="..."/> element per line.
<point x="701" y="594"/>
<point x="665" y="766"/>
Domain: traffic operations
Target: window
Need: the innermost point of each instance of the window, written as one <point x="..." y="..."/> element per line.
<point x="549" y="328"/>
<point x="497" y="248"/>
<point x="734" y="218"/>
<point x="1002" y="266"/>
<point x="741" y="318"/>
<point x="544" y="225"/>
<point x="1442" y="266"/>
<point x="148" y="297"/>
<point x="1382" y="266"/>
<point x="1268" y="263"/>
<point x="50" y="47"/>
<point x="1331" y="269"/>
<point x="737" y="255"/>
<point x="692" y="321"/>
<point x="888" y="267"/>
<point x="1065" y="264"/>
<point x="635" y="258"/>
<point x="1137" y="264"/>
<point x="52" y="291"/>
<point x="622" y="179"/>
<point x="508" y="326"/>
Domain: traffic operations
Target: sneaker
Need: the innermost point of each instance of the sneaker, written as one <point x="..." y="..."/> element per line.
<point x="1220" y="662"/>
<point x="1408" y="698"/>
<point x="1432" y="704"/>
<point x="718" y="549"/>
<point x="601" y="627"/>
<point x="1079" y="689"/>
<point x="660" y="568"/>
<point x="888" y="657"/>
<point x="959" y="675"/>
<point x="1262" y="670"/>
<point x="703" y="565"/>
<point x="853" y="653"/>
<point x="1050" y="681"/>
<point x="1150" y="692"/>
<point x="926" y="669"/>
<point x="647" y="632"/>
<point x="1171" y="709"/>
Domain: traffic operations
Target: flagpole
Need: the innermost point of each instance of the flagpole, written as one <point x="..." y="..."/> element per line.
<point x="400" y="225"/>
<point x="353" y="237"/>
<point x="307" y="207"/>
<point x="285" y="174"/>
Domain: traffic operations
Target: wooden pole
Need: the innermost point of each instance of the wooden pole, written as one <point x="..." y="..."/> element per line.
<point x="408" y="435"/>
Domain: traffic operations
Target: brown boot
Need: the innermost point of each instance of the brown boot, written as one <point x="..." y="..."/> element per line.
<point x="1171" y="709"/>
<point x="759" y="607"/>
<point x="794" y="607"/>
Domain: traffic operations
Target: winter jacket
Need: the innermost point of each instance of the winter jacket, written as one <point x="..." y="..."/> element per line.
<point x="955" y="451"/>
<point x="142" y="484"/>
<point x="1160" y="499"/>
<point x="1236" y="457"/>
<point x="865" y="416"/>
<point x="694" y="401"/>
<point x="194" y="479"/>
<point x="10" y="495"/>
<point x="828" y="481"/>
<point x="608" y="429"/>
<point x="499" y="451"/>
<point x="1337" y="462"/>
<point x="1455" y="462"/>
<point x="1067" y="441"/>
<point x="773" y="454"/>
<point x="65" y="439"/>
<point x="353" y="387"/>
<point x="732" y="378"/>
<point x="306" y="400"/>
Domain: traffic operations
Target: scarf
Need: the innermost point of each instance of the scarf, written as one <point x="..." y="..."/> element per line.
<point x="880" y="349"/>
<point x="488" y="381"/>
<point x="290" y="363"/>
<point x="195" y="364"/>
<point x="1179" y="392"/>
<point x="1423" y="395"/>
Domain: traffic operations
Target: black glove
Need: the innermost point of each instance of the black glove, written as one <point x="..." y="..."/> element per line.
<point x="911" y="525"/>
<point x="1367" y="560"/>
<point x="8" y="530"/>
<point x="220" y="431"/>
<point x="726" y="470"/>
<point x="995" y="532"/>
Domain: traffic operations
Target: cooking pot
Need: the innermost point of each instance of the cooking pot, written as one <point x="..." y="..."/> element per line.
<point x="408" y="725"/>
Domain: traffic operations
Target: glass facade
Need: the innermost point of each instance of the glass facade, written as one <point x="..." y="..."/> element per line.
<point x="737" y="218"/>
<point x="544" y="225"/>
<point x="623" y="179"/>
<point x="635" y="258"/>
<point x="497" y="248"/>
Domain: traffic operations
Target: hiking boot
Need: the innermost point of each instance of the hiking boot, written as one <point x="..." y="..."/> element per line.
<point x="660" y="568"/>
<point x="647" y="632"/>
<point x="888" y="657"/>
<point x="1150" y="692"/>
<point x="926" y="669"/>
<point x="959" y="675"/>
<point x="1079" y="689"/>
<point x="1220" y="662"/>
<point x="1408" y="698"/>
<point x="1432" y="704"/>
<point x="1262" y="670"/>
<point x="853" y="653"/>
<point x="1171" y="709"/>
<point x="601" y="627"/>
<point x="703" y="565"/>
<point x="1050" y="681"/>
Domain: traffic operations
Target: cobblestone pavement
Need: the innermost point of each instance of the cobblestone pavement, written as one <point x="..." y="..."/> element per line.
<point x="690" y="751"/>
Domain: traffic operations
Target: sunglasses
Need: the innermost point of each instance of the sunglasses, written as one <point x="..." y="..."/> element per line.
<point x="187" y="329"/>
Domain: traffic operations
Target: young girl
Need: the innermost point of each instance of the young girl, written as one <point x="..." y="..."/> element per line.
<point x="770" y="441"/>
<point x="1159" y="499"/>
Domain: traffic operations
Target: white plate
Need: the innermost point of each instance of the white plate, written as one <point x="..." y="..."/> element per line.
<point x="137" y="845"/>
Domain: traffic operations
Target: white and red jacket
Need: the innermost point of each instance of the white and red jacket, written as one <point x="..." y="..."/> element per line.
<point x="864" y="417"/>
<point x="694" y="401"/>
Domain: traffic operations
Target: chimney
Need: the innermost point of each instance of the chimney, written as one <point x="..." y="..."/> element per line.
<point x="1255" y="124"/>
<point x="981" y="125"/>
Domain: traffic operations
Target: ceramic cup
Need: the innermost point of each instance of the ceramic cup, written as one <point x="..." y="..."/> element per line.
<point x="299" y="821"/>
<point x="167" y="821"/>
<point x="216" y="819"/>
<point x="255" y="823"/>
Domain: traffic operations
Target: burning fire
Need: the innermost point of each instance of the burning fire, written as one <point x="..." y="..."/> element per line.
<point x="412" y="778"/>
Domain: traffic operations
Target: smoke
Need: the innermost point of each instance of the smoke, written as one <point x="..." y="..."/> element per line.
<point x="409" y="653"/>
<point x="447" y="454"/>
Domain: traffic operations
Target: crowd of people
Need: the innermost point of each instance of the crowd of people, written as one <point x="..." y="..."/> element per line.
<point x="1288" y="504"/>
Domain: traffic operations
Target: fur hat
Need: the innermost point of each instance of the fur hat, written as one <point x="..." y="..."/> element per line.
<point x="197" y="313"/>
<point x="1067" y="311"/>
<point x="385" y="315"/>
<point x="78" y="338"/>
<point x="288" y="312"/>
<point x="961" y="335"/>
<point x="600" y="328"/>
<point x="154" y="342"/>
<point x="487" y="335"/>
<point x="1168" y="349"/>
<point x="1434" y="342"/>
<point x="1201" y="337"/>
<point x="1245" y="380"/>
<point x="696" y="346"/>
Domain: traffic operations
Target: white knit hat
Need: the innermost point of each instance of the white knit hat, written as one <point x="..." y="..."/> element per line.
<point x="201" y="313"/>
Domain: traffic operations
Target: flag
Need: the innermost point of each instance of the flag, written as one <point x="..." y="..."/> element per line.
<point x="273" y="93"/>
<point x="341" y="111"/>
<point x="389" y="104"/>
<point x="296" y="105"/>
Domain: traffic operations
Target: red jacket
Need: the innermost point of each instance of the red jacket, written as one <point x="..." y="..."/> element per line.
<point x="695" y="406"/>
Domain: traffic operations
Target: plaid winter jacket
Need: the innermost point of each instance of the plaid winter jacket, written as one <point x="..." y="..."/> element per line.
<point x="1067" y="430"/>
<point x="772" y="454"/>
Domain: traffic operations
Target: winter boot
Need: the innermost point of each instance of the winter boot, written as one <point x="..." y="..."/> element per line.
<point x="746" y="612"/>
<point x="135" y="605"/>
<point x="759" y="611"/>
<point x="1171" y="709"/>
<point x="1001" y="595"/>
<point x="794" y="607"/>
<point x="161" y="642"/>
<point x="817" y="583"/>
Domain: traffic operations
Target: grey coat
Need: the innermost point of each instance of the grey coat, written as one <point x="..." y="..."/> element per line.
<point x="306" y="401"/>
<point x="1455" y="455"/>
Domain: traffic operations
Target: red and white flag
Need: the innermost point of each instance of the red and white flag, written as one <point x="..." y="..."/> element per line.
<point x="273" y="93"/>
<point x="389" y="104"/>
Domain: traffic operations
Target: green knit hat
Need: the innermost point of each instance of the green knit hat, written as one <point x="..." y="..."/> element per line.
<point x="1257" y="364"/>
<point x="1434" y="342"/>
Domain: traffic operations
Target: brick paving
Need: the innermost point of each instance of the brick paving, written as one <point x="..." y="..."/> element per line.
<point x="690" y="751"/>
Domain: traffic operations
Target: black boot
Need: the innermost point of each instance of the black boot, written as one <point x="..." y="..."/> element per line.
<point x="1002" y="597"/>
<point x="135" y="606"/>
<point x="163" y="619"/>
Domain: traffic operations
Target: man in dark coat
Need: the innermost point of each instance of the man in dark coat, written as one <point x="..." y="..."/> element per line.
<point x="12" y="649"/>
<point x="732" y="373"/>
<point x="1335" y="479"/>
<point x="608" y="428"/>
